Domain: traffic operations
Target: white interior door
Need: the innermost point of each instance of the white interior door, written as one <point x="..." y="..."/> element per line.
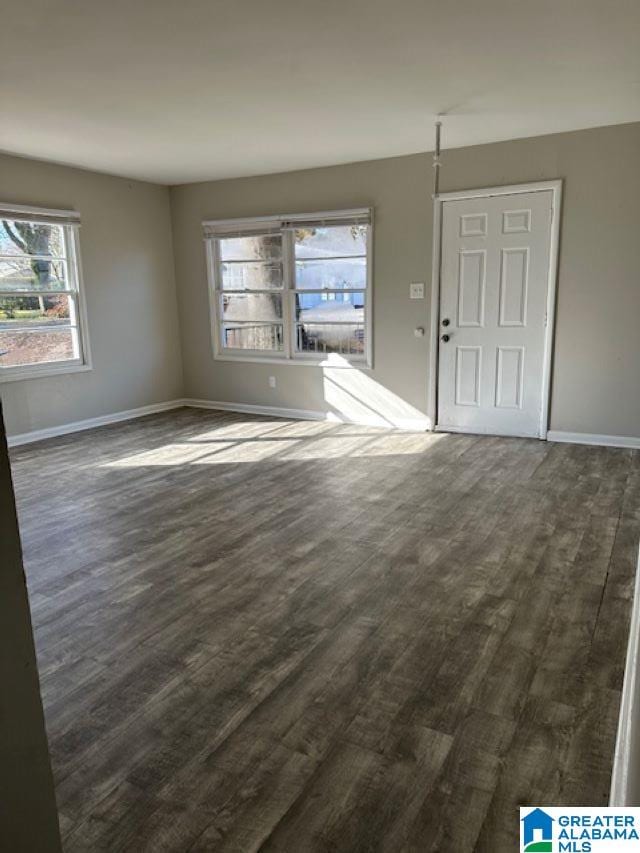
<point x="493" y="313"/>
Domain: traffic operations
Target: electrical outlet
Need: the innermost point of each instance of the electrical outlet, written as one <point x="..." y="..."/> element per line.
<point x="272" y="382"/>
<point x="416" y="290"/>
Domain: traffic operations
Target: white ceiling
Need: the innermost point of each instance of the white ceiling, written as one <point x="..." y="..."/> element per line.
<point x="186" y="90"/>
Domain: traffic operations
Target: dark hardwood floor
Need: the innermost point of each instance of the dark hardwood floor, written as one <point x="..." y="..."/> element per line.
<point x="258" y="634"/>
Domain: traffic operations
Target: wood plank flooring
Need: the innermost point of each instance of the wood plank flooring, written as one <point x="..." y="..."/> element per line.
<point x="257" y="634"/>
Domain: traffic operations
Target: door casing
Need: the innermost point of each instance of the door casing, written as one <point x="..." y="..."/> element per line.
<point x="555" y="187"/>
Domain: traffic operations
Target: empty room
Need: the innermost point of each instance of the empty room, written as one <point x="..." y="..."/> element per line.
<point x="320" y="453"/>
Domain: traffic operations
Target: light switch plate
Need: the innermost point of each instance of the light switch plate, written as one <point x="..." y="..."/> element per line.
<point x="416" y="290"/>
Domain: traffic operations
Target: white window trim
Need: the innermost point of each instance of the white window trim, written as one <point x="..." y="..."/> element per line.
<point x="216" y="228"/>
<point x="70" y="220"/>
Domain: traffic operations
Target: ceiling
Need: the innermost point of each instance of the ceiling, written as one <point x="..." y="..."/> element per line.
<point x="187" y="90"/>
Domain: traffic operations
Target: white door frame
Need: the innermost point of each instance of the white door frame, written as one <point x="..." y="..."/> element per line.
<point x="514" y="189"/>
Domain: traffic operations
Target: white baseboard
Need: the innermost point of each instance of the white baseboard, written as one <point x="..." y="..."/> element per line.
<point x="411" y="424"/>
<point x="625" y="777"/>
<point x="250" y="409"/>
<point x="594" y="438"/>
<point x="90" y="423"/>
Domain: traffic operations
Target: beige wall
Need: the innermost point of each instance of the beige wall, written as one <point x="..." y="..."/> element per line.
<point x="138" y="347"/>
<point x="127" y="258"/>
<point x="395" y="188"/>
<point x="596" y="387"/>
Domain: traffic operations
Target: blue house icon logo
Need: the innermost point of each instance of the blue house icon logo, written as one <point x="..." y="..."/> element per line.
<point x="537" y="832"/>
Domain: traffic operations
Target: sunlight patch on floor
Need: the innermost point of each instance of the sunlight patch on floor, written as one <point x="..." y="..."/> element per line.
<point x="399" y="445"/>
<point x="254" y="441"/>
<point x="246" y="451"/>
<point x="221" y="452"/>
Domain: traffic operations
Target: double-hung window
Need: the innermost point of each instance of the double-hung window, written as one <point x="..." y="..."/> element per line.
<point x="292" y="288"/>
<point x="41" y="313"/>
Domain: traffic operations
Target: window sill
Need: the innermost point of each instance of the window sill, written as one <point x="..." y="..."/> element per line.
<point x="15" y="374"/>
<point x="338" y="362"/>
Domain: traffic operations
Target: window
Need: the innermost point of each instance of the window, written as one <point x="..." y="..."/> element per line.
<point x="292" y="288"/>
<point x="40" y="310"/>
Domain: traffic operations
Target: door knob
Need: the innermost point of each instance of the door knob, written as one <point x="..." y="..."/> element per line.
<point x="446" y="321"/>
<point x="445" y="339"/>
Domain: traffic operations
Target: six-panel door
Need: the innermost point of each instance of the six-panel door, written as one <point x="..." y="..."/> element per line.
<point x="493" y="303"/>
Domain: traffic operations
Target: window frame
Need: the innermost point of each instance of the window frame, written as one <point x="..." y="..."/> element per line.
<point x="216" y="312"/>
<point x="69" y="220"/>
<point x="215" y="230"/>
